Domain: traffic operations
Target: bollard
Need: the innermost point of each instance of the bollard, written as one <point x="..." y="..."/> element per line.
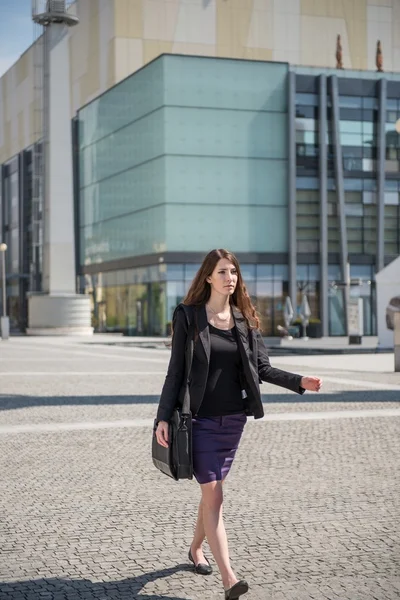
<point x="397" y="341"/>
<point x="5" y="328"/>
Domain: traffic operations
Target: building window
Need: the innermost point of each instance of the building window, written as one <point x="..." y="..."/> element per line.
<point x="307" y="221"/>
<point x="307" y="277"/>
<point x="350" y="102"/>
<point x="307" y="99"/>
<point x="270" y="296"/>
<point x="392" y="226"/>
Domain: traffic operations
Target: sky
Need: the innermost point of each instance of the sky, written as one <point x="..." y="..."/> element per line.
<point x="16" y="31"/>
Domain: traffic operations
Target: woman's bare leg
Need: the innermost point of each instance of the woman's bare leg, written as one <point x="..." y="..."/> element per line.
<point x="212" y="498"/>
<point x="199" y="536"/>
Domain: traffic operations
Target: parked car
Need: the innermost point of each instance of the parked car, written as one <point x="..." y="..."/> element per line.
<point x="392" y="308"/>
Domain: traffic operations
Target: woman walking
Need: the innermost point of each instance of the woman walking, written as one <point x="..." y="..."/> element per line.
<point x="229" y="360"/>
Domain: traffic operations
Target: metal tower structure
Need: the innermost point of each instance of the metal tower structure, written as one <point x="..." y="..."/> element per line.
<point x="44" y="14"/>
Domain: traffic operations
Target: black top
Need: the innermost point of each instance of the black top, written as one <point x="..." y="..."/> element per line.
<point x="255" y="363"/>
<point x="223" y="394"/>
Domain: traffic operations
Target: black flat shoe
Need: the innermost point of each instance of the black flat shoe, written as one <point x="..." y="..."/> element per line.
<point x="201" y="568"/>
<point x="240" y="588"/>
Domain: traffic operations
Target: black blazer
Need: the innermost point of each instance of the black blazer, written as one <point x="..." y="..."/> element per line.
<point x="255" y="362"/>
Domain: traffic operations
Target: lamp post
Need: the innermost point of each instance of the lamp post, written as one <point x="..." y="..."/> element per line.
<point x="5" y="324"/>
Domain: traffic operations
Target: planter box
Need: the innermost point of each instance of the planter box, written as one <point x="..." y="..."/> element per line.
<point x="313" y="330"/>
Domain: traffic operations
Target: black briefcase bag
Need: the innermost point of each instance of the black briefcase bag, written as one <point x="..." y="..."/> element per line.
<point x="176" y="461"/>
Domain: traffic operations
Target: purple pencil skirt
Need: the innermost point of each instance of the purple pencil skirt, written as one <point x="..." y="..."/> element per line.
<point x="215" y="441"/>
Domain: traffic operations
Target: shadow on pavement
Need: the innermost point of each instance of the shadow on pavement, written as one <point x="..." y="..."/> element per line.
<point x="84" y="589"/>
<point x="15" y="401"/>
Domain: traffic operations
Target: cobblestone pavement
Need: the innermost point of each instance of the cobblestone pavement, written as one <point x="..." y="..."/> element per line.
<point x="311" y="504"/>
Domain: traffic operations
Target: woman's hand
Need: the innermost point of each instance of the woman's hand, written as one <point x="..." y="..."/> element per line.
<point x="162" y="433"/>
<point x="313" y="384"/>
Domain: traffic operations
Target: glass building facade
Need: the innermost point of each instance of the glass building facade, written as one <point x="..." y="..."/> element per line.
<point x="141" y="301"/>
<point x="179" y="154"/>
<point x="347" y="183"/>
<point x="183" y="156"/>
<point x="294" y="169"/>
<point x="282" y="165"/>
<point x="22" y="262"/>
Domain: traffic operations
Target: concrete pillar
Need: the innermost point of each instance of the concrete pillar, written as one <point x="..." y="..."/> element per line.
<point x="59" y="245"/>
<point x="380" y="236"/>
<point x="292" y="189"/>
<point x="340" y="192"/>
<point x="58" y="309"/>
<point x="323" y="195"/>
<point x="397" y="342"/>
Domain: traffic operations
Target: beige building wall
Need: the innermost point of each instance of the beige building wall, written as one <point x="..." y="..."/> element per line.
<point x="116" y="37"/>
<point x="92" y="71"/>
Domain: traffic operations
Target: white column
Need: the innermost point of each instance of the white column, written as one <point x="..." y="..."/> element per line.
<point x="58" y="310"/>
<point x="59" y="244"/>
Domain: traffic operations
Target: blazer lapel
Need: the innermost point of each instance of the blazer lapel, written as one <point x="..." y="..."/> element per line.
<point x="242" y="329"/>
<point x="204" y="333"/>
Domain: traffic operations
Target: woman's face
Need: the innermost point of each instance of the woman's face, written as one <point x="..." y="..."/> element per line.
<point x="223" y="279"/>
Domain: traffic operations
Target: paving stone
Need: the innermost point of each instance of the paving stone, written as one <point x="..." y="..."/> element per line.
<point x="311" y="506"/>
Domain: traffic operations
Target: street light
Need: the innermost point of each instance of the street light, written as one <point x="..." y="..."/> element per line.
<point x="5" y="324"/>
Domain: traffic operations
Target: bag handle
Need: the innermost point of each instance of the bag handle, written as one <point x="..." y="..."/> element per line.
<point x="189" y="351"/>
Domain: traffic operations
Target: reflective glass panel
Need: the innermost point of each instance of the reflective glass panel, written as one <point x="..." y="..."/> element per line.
<point x="248" y="272"/>
<point x="350" y="101"/>
<point x="351" y="126"/>
<point x="264" y="272"/>
<point x="202" y="82"/>
<point x="392" y="198"/>
<point x="193" y="228"/>
<point x="370" y="103"/>
<point x="307" y="183"/>
<point x="222" y="133"/>
<point x="191" y="270"/>
<point x="175" y="272"/>
<point x="139" y="233"/>
<point x="281" y="272"/>
<point x="311" y="99"/>
<point x="354" y="210"/>
<point x="264" y="294"/>
<point x="336" y="311"/>
<point x="351" y="139"/>
<point x="175" y="295"/>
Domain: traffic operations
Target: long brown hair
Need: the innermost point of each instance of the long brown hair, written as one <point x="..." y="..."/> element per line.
<point x="200" y="290"/>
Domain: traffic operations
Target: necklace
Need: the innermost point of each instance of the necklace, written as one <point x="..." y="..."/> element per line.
<point x="217" y="315"/>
